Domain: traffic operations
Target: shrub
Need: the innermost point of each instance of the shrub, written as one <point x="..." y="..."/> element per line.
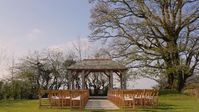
<point x="168" y="91"/>
<point x="192" y="90"/>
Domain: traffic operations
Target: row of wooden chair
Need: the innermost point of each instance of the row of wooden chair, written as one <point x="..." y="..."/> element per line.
<point x="63" y="98"/>
<point x="130" y="98"/>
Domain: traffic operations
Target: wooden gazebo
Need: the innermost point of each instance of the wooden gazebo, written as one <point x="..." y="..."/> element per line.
<point x="122" y="98"/>
<point x="106" y="66"/>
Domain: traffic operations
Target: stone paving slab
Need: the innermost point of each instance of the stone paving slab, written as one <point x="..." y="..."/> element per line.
<point x="97" y="97"/>
<point x="100" y="104"/>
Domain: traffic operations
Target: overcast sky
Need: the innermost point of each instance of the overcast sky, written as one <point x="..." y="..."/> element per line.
<point x="28" y="25"/>
<point x="37" y="24"/>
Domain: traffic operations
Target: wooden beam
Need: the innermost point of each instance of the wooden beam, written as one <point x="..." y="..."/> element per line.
<point x="73" y="74"/>
<point x="111" y="80"/>
<point x="72" y="83"/>
<point x="118" y="73"/>
<point x="83" y="79"/>
<point x="107" y="74"/>
<point x="121" y="81"/>
<point x="70" y="79"/>
<point x="87" y="73"/>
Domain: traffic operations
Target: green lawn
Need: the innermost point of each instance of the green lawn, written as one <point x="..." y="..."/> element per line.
<point x="168" y="103"/>
<point x="176" y="103"/>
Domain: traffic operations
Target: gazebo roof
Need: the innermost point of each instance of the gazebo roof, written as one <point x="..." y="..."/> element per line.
<point x="97" y="64"/>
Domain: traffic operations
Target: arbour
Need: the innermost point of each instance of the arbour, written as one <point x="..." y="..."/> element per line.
<point x="105" y="66"/>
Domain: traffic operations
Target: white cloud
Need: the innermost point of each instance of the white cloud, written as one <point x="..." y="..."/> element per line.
<point x="34" y="34"/>
<point x="83" y="43"/>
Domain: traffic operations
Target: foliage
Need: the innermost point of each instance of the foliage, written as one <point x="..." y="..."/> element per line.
<point x="192" y="89"/>
<point x="192" y="92"/>
<point x="168" y="92"/>
<point x="39" y="70"/>
<point x="156" y="35"/>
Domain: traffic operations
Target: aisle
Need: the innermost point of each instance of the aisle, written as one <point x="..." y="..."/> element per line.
<point x="100" y="104"/>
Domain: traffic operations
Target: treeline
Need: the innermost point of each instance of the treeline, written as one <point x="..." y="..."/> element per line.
<point x="39" y="70"/>
<point x="46" y="70"/>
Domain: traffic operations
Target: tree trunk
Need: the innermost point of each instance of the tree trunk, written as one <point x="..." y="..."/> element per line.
<point x="181" y="82"/>
<point x="170" y="81"/>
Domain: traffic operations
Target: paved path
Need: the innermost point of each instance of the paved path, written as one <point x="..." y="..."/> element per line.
<point x="100" y="104"/>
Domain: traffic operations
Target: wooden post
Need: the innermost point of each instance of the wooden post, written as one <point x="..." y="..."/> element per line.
<point x="83" y="79"/>
<point x="72" y="80"/>
<point x="121" y="80"/>
<point x="125" y="79"/>
<point x="69" y="79"/>
<point x="111" y="80"/>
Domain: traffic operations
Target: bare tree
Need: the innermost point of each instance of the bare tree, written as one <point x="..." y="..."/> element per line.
<point x="3" y="61"/>
<point x="47" y="69"/>
<point x="162" y="35"/>
<point x="98" y="82"/>
<point x="78" y="48"/>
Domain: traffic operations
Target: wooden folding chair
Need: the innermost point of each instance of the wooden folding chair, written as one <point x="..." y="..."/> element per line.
<point x="65" y="97"/>
<point x="128" y="99"/>
<point x="148" y="97"/>
<point x="139" y="96"/>
<point x="44" y="100"/>
<point x="155" y="100"/>
<point x="120" y="98"/>
<point x="76" y="99"/>
<point x="85" y="95"/>
<point x="55" y="98"/>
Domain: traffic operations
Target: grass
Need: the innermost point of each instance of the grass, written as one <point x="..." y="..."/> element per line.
<point x="168" y="103"/>
<point x="175" y="103"/>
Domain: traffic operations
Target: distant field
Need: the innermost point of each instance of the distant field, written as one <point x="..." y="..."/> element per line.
<point x="168" y="103"/>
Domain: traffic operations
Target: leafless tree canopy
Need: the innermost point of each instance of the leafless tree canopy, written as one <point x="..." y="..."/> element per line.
<point x="46" y="70"/>
<point x="159" y="35"/>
